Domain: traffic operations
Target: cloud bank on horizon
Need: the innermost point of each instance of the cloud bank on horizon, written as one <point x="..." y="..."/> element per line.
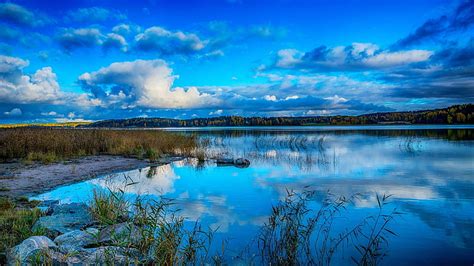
<point x="78" y="60"/>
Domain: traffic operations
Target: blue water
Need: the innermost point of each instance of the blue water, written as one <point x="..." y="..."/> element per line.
<point x="429" y="170"/>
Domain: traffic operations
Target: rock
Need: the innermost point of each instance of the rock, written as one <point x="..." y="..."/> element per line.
<point x="29" y="249"/>
<point x="76" y="240"/>
<point x="65" y="218"/>
<point x="47" y="206"/>
<point x="100" y="256"/>
<point x="239" y="162"/>
<point x="117" y="232"/>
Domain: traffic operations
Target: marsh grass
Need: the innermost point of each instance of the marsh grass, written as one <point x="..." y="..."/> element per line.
<point x="16" y="220"/>
<point x="296" y="234"/>
<point x="109" y="208"/>
<point x="154" y="228"/>
<point x="51" y="144"/>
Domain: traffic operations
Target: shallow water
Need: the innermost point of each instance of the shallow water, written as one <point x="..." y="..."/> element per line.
<point x="429" y="170"/>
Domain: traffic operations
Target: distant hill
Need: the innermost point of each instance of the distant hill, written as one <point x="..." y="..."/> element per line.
<point x="456" y="114"/>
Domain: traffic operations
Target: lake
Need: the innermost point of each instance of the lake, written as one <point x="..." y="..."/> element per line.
<point x="428" y="170"/>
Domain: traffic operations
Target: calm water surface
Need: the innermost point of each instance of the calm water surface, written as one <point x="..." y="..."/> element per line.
<point x="429" y="170"/>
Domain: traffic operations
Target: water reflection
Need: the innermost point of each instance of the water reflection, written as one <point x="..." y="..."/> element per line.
<point x="428" y="172"/>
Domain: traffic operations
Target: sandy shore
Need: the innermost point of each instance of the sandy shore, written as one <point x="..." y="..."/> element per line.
<point x="25" y="180"/>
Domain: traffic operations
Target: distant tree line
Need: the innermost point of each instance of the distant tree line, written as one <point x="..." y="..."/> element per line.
<point x="456" y="114"/>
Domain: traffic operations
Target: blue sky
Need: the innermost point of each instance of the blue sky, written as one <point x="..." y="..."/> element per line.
<point x="91" y="60"/>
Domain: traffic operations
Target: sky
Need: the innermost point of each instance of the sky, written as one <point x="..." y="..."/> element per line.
<point x="84" y="60"/>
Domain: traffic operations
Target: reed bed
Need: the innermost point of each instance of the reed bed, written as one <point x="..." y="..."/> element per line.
<point x="50" y="144"/>
<point x="295" y="233"/>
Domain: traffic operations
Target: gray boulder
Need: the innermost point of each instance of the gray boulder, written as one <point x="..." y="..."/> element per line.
<point x="119" y="232"/>
<point x="239" y="162"/>
<point x="76" y="240"/>
<point x="65" y="218"/>
<point x="30" y="249"/>
<point x="100" y="256"/>
<point x="47" y="206"/>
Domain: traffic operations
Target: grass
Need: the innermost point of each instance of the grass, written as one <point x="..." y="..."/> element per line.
<point x="16" y="219"/>
<point x="54" y="144"/>
<point x="109" y="208"/>
<point x="153" y="229"/>
<point x="294" y="234"/>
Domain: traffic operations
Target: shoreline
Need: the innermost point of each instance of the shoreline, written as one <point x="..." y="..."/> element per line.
<point x="17" y="179"/>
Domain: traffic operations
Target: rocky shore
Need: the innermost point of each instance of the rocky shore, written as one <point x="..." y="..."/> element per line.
<point x="73" y="237"/>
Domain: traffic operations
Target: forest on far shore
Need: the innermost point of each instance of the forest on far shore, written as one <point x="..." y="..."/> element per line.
<point x="456" y="114"/>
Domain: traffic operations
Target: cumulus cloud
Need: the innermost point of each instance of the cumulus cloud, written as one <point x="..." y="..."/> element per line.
<point x="145" y="83"/>
<point x="149" y="84"/>
<point x="71" y="39"/>
<point x="355" y="57"/>
<point x="15" y="86"/>
<point x="14" y="112"/>
<point x="36" y="89"/>
<point x="458" y="20"/>
<point x="115" y="40"/>
<point x="167" y="42"/>
<point x="94" y="14"/>
<point x="125" y="29"/>
<point x="20" y="16"/>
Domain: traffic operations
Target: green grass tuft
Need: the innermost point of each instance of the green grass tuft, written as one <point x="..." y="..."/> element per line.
<point x="16" y="220"/>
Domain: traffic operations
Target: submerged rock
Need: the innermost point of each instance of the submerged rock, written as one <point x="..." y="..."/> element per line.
<point x="239" y="162"/>
<point x="76" y="240"/>
<point x="30" y="248"/>
<point x="65" y="218"/>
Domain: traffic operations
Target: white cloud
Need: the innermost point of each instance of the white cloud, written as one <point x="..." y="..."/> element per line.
<point x="217" y="112"/>
<point x="14" y="112"/>
<point x="356" y="56"/>
<point x="336" y="99"/>
<point x="387" y="59"/>
<point x="271" y="98"/>
<point x="15" y="86"/>
<point x="288" y="58"/>
<point x="126" y="29"/>
<point x="71" y="115"/>
<point x="168" y="42"/>
<point x="115" y="40"/>
<point x="145" y="83"/>
<point x="52" y="113"/>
